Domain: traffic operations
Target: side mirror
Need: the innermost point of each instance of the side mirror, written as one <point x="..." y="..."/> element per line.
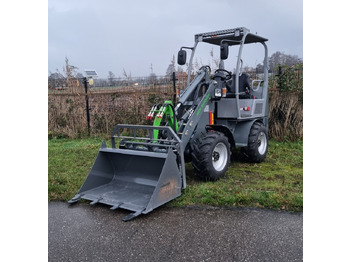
<point x="181" y="57"/>
<point x="224" y="51"/>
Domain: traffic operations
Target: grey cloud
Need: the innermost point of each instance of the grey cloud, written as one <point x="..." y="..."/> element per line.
<point x="112" y="35"/>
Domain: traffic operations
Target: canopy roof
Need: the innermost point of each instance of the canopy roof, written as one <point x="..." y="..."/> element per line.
<point x="236" y="35"/>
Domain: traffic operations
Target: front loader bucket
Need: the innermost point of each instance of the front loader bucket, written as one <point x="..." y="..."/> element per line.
<point x="134" y="180"/>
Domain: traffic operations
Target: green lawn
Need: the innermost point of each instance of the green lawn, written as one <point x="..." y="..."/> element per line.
<point x="276" y="183"/>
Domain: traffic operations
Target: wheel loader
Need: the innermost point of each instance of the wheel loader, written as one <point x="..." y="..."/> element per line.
<point x="215" y="113"/>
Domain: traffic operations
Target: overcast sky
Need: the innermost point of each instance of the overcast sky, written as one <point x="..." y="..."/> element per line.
<point x="112" y="35"/>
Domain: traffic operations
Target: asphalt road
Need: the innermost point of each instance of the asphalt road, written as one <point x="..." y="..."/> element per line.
<point x="94" y="233"/>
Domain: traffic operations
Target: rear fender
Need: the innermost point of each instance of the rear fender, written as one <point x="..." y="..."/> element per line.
<point x="242" y="131"/>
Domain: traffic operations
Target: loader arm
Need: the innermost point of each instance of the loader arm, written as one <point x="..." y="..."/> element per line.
<point x="197" y="116"/>
<point x="192" y="104"/>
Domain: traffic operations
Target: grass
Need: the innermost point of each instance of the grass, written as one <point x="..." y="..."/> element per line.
<point x="277" y="183"/>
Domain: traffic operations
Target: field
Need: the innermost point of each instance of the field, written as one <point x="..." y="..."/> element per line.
<point x="277" y="183"/>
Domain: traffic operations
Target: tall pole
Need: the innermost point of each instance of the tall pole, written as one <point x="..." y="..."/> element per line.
<point x="174" y="87"/>
<point x="87" y="104"/>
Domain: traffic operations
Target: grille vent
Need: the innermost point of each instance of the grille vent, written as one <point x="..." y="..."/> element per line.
<point x="258" y="108"/>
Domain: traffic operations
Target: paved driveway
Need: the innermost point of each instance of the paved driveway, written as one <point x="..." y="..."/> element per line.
<point x="94" y="233"/>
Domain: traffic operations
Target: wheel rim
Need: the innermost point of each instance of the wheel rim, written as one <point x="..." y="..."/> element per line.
<point x="262" y="143"/>
<point x="219" y="156"/>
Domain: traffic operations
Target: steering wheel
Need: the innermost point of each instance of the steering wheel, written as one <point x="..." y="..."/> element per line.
<point x="228" y="73"/>
<point x="203" y="67"/>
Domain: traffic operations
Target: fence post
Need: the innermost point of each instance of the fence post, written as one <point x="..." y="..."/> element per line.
<point x="174" y="86"/>
<point x="87" y="104"/>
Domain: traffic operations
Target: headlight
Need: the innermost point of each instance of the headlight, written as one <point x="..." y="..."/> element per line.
<point x="218" y="92"/>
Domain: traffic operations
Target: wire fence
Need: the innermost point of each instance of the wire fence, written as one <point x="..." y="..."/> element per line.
<point x="127" y="101"/>
<point x="61" y="83"/>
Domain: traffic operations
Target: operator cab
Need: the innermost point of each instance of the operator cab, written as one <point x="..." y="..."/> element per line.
<point x="240" y="97"/>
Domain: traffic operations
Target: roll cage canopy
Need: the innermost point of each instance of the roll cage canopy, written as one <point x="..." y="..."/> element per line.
<point x="239" y="36"/>
<point x="235" y="37"/>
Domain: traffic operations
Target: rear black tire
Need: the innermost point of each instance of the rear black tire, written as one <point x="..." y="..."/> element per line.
<point x="211" y="156"/>
<point x="257" y="148"/>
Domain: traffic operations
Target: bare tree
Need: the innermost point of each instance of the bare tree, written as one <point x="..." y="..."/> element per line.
<point x="215" y="61"/>
<point x="127" y="77"/>
<point x="171" y="67"/>
<point x="56" y="80"/>
<point x="70" y="72"/>
<point x="152" y="79"/>
<point x="259" y="68"/>
<point x="111" y="78"/>
<point x="179" y="69"/>
<point x="279" y="58"/>
<point x="79" y="75"/>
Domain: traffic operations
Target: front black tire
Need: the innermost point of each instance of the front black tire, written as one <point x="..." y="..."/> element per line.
<point x="257" y="148"/>
<point x="211" y="156"/>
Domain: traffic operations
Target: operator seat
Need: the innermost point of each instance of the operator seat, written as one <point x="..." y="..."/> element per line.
<point x="243" y="88"/>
